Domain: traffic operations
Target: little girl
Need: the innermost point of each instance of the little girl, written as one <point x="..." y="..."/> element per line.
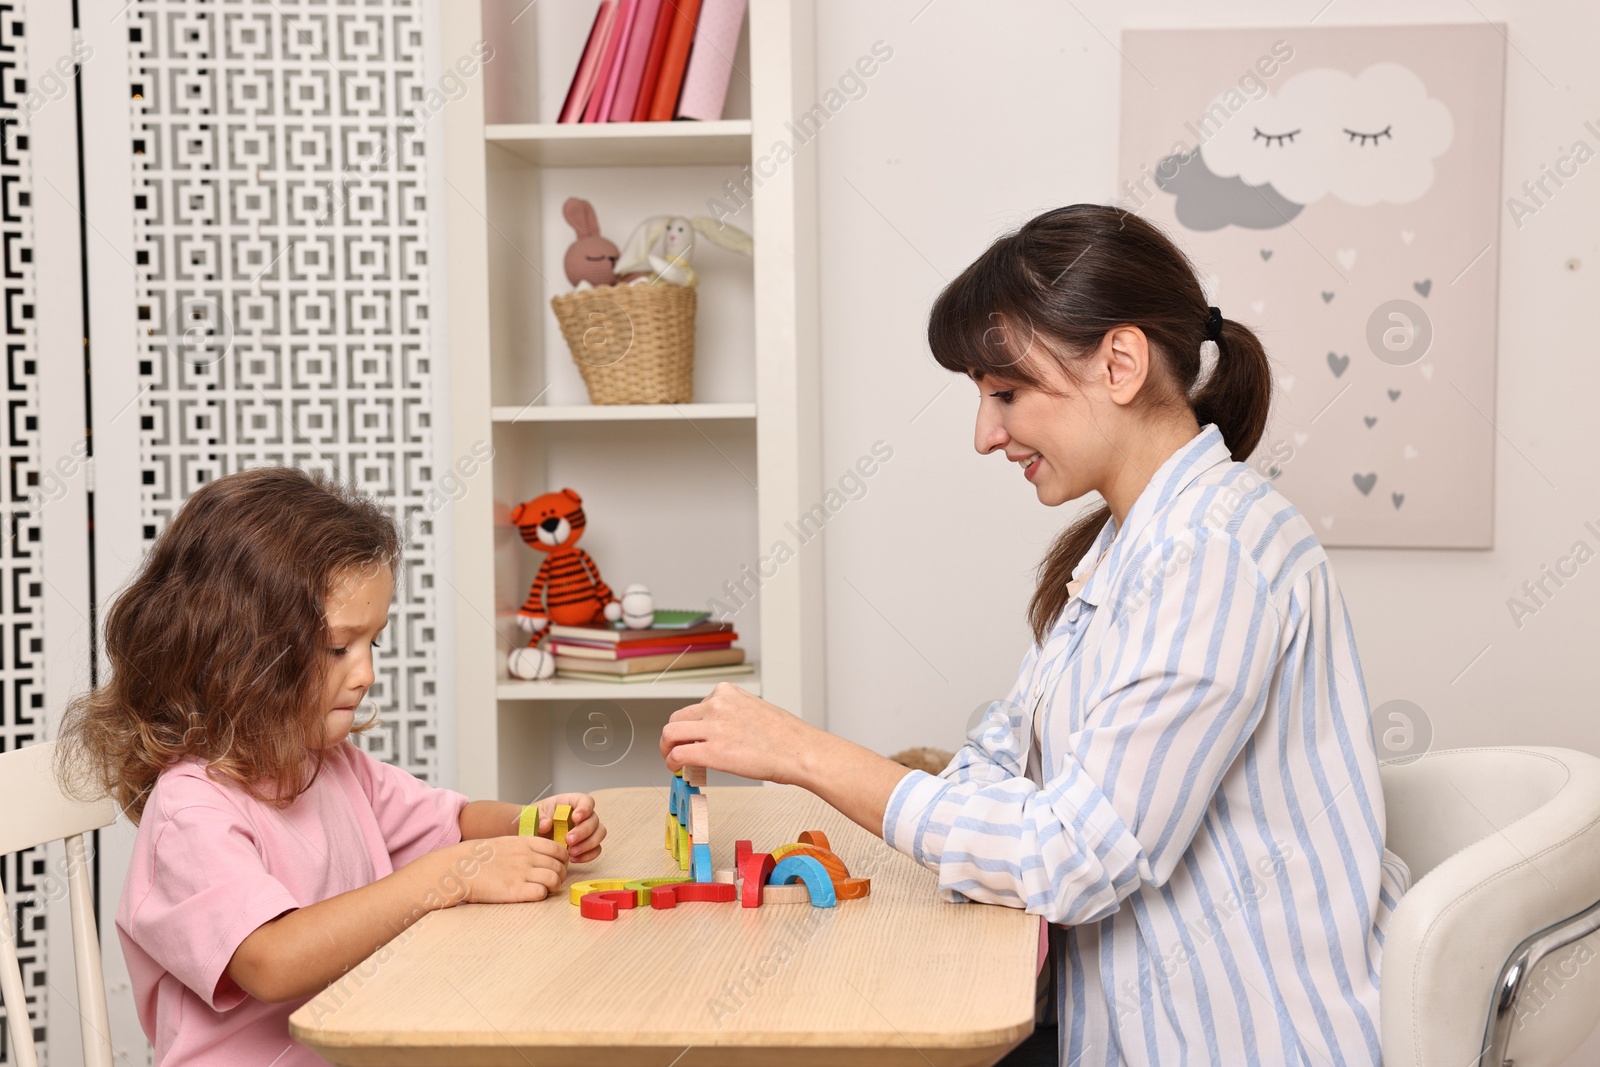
<point x="273" y="854"/>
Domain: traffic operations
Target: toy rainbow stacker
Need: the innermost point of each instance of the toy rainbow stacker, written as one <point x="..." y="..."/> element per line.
<point x="802" y="872"/>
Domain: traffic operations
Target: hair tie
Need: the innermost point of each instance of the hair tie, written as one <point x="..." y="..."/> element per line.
<point x="1214" y="324"/>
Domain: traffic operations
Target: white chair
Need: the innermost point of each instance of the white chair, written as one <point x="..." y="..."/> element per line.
<point x="33" y="810"/>
<point x="1493" y="956"/>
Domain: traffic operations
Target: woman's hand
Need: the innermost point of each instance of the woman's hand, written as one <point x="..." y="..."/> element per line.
<point x="735" y="731"/>
<point x="585" y="831"/>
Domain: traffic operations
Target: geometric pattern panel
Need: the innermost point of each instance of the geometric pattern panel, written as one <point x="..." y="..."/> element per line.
<point x="281" y="246"/>
<point x="22" y="711"/>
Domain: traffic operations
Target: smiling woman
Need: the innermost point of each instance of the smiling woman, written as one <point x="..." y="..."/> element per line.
<point x="1182" y="780"/>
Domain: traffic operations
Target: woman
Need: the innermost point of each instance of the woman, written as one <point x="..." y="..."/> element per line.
<point x="1183" y="779"/>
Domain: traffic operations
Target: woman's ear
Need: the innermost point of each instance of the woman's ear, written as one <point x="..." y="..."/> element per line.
<point x="1125" y="354"/>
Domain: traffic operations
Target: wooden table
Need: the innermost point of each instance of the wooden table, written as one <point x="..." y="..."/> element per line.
<point x="896" y="978"/>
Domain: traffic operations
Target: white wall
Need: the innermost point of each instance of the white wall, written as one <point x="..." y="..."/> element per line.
<point x="988" y="113"/>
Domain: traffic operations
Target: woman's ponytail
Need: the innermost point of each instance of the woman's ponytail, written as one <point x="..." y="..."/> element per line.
<point x="1238" y="393"/>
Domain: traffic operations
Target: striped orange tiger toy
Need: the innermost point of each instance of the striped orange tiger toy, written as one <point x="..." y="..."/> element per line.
<point x="568" y="588"/>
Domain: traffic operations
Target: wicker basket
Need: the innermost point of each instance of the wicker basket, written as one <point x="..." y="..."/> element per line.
<point x="633" y="344"/>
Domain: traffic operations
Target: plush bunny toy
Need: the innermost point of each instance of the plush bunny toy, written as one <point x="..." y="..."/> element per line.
<point x="591" y="259"/>
<point x="665" y="244"/>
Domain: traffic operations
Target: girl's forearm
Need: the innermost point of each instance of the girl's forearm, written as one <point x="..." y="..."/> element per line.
<point x="855" y="780"/>
<point x="300" y="953"/>
<point x="490" y="818"/>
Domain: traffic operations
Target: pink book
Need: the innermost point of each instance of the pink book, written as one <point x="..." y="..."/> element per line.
<point x="605" y="74"/>
<point x="627" y="20"/>
<point x="583" y="81"/>
<point x="705" y="82"/>
<point x="632" y="65"/>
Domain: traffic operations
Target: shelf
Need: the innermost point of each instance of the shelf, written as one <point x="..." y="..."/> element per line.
<point x="665" y="689"/>
<point x="620" y="412"/>
<point x="625" y="144"/>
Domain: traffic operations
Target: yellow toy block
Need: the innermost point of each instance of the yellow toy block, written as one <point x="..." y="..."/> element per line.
<point x="595" y="885"/>
<point x="642" y="886"/>
<point x="672" y="833"/>
<point x="563" y="823"/>
<point x="528" y="824"/>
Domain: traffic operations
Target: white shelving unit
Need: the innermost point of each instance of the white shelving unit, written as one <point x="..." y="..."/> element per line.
<point x="688" y="498"/>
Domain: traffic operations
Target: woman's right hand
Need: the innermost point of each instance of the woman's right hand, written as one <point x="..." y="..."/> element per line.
<point x="511" y="870"/>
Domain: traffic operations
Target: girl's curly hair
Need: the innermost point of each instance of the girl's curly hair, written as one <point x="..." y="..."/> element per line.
<point x="219" y="648"/>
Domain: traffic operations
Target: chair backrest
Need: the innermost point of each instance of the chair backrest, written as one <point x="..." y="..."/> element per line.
<point x="33" y="811"/>
<point x="1503" y="844"/>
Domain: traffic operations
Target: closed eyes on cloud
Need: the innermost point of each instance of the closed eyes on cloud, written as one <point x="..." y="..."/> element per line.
<point x="1373" y="137"/>
<point x="1279" y="138"/>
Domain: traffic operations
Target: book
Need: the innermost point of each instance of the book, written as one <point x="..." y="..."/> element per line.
<point x="610" y="633"/>
<point x="705" y="80"/>
<point x="583" y="79"/>
<point x="677" y="620"/>
<point x="668" y="640"/>
<point x="652" y="60"/>
<point x="644" y="24"/>
<point x="640" y="648"/>
<point x="681" y="38"/>
<point x="605" y="88"/>
<point x="715" y="657"/>
<point x="693" y="672"/>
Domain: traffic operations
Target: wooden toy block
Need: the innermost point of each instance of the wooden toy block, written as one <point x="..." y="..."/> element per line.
<point x="563" y="823"/>
<point x="695" y="776"/>
<point x="672" y="831"/>
<point x="741" y="849"/>
<point x="700" y="818"/>
<point x="754" y="870"/>
<point x="595" y="885"/>
<point x="852" y="888"/>
<point x="812" y="873"/>
<point x="815" y="837"/>
<point x="604" y="905"/>
<point x="700" y="862"/>
<point x="528" y="824"/>
<point x="683" y="849"/>
<point x="837" y="872"/>
<point x="670" y="896"/>
<point x="785" y="894"/>
<point x="678" y="773"/>
<point x="642" y="887"/>
<point x="673" y="794"/>
<point x="729" y="876"/>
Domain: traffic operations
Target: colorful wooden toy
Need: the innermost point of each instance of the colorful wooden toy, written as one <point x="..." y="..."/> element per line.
<point x="642" y="886"/>
<point x="670" y="896"/>
<point x="815" y="837"/>
<point x="785" y="894"/>
<point x="728" y="875"/>
<point x="700" y="862"/>
<point x="563" y="823"/>
<point x="604" y="905"/>
<point x="700" y="818"/>
<point x="810" y="871"/>
<point x="741" y="849"/>
<point x="595" y="885"/>
<point x="528" y="824"/>
<point x="754" y="871"/>
<point x="852" y="888"/>
<point x="836" y="869"/>
<point x="695" y="776"/>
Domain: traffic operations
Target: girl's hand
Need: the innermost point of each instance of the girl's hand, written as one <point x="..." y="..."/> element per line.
<point x="516" y="869"/>
<point x="735" y="731"/>
<point x="584" y="833"/>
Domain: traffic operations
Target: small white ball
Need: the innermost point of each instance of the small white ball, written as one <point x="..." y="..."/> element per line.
<point x="531" y="664"/>
<point x="638" y="607"/>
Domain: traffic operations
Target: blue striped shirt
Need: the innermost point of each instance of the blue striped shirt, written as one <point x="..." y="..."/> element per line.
<point x="1209" y="828"/>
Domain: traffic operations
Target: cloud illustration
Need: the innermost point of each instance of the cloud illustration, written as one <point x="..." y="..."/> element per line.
<point x="1208" y="202"/>
<point x="1365" y="139"/>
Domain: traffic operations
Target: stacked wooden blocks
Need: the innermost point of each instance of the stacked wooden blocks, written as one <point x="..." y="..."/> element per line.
<point x="803" y="872"/>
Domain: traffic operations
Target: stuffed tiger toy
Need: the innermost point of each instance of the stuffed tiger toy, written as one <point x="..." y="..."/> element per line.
<point x="568" y="588"/>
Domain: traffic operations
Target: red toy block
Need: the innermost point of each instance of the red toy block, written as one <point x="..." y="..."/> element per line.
<point x="669" y="896"/>
<point x="754" y="870"/>
<point x="741" y="849"/>
<point x="604" y="905"/>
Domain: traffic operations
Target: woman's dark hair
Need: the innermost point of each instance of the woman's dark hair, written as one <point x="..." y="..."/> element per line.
<point x="1068" y="277"/>
<point x="219" y="646"/>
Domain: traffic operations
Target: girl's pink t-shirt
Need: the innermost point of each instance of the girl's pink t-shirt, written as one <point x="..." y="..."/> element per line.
<point x="211" y="864"/>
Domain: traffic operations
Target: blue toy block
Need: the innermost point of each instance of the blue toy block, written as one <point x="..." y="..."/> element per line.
<point x="700" y="863"/>
<point x="808" y="870"/>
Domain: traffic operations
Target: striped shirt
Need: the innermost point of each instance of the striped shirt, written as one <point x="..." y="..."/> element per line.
<point x="1208" y="825"/>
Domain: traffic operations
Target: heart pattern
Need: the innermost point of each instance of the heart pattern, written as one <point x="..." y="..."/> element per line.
<point x="1337" y="363"/>
<point x="1287" y="381"/>
<point x="1427" y="370"/>
<point x="1398" y="498"/>
<point x="1327" y="522"/>
<point x="1300" y="438"/>
<point x="1266" y="254"/>
<point x="1394" y="394"/>
<point x="1369" y="420"/>
<point x="1365" y="482"/>
<point x="1410" y="453"/>
<point x="1327" y="297"/>
<point x="1258" y="306"/>
<point x="1347" y="257"/>
<point x="1407" y="235"/>
<point x="1425" y="286"/>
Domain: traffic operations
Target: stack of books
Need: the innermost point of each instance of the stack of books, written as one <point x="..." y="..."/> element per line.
<point x="655" y="60"/>
<point x="676" y="645"/>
